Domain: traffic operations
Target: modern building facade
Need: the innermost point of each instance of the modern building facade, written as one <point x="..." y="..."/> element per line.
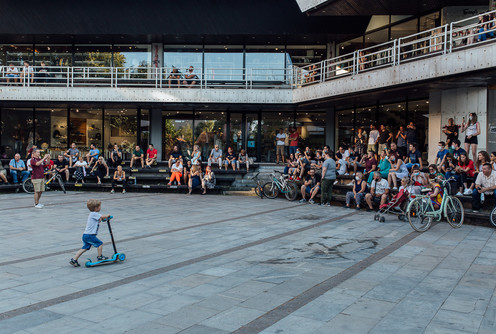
<point x="116" y="73"/>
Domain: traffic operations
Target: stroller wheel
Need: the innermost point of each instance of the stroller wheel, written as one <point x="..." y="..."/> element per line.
<point x="382" y="219"/>
<point x="401" y="217"/>
<point x="376" y="217"/>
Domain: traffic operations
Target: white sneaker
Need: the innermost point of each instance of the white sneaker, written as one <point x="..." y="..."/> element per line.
<point x="39" y="206"/>
<point x="123" y="191"/>
<point x="311" y="201"/>
<point x="112" y="191"/>
<point x="350" y="184"/>
<point x="395" y="188"/>
<point x="467" y="192"/>
<point x="459" y="194"/>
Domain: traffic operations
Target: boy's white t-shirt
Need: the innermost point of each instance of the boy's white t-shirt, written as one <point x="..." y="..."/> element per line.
<point x="93" y="223"/>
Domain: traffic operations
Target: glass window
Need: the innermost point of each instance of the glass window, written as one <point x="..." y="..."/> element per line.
<point x="252" y="135"/>
<point x="17" y="134"/>
<point x="178" y="130"/>
<point x="311" y="127"/>
<point x="134" y="56"/>
<point x="377" y="37"/>
<point x="397" y="18"/>
<point x="418" y="112"/>
<point x="15" y="54"/>
<point x="144" y="128"/>
<point x="404" y="29"/>
<point x="266" y="62"/>
<point x="183" y="56"/>
<point x="95" y="56"/>
<point x="350" y="46"/>
<point x="53" y="55"/>
<point x="306" y="54"/>
<point x="377" y="21"/>
<point x="236" y="139"/>
<point x="429" y="21"/>
<point x="121" y="128"/>
<point x="271" y="123"/>
<point x="210" y="130"/>
<point x="344" y="127"/>
<point x="224" y="63"/>
<point x="51" y="130"/>
<point x="86" y="128"/>
<point x="391" y="116"/>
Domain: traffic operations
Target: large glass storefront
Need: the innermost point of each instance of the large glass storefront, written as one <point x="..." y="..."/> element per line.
<point x="54" y="129"/>
<point x="391" y="115"/>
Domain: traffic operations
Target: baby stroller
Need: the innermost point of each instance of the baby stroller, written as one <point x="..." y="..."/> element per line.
<point x="397" y="206"/>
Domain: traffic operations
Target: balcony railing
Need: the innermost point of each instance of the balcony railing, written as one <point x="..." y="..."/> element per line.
<point x="437" y="41"/>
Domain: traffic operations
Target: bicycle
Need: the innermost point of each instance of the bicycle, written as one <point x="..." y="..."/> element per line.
<point x="258" y="187"/>
<point x="282" y="184"/>
<point x="421" y="211"/>
<point x="28" y="187"/>
<point x="492" y="217"/>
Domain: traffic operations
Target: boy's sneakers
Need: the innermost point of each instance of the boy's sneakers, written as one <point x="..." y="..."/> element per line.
<point x="100" y="258"/>
<point x="39" y="206"/>
<point x="74" y="263"/>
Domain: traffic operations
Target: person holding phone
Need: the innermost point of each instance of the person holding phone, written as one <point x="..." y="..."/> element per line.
<point x="38" y="175"/>
<point x="472" y="130"/>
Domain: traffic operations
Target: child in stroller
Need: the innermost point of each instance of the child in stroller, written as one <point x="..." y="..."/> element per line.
<point x="398" y="203"/>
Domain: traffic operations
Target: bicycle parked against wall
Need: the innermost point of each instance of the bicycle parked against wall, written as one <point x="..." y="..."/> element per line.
<point x="28" y="187"/>
<point x="280" y="184"/>
<point x="421" y="211"/>
<point x="492" y="217"/>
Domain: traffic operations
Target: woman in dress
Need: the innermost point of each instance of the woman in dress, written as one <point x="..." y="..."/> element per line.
<point x="195" y="178"/>
<point x="196" y="155"/>
<point x="398" y="171"/>
<point x="472" y="130"/>
<point x="361" y="142"/>
<point x="100" y="169"/>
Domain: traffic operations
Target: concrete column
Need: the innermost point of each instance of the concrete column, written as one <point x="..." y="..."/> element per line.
<point x="330" y="129"/>
<point x="156" y="131"/>
<point x="456" y="104"/>
<point x="491" y="119"/>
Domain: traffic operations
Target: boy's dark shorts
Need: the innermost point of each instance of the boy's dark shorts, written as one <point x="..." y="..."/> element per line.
<point x="91" y="240"/>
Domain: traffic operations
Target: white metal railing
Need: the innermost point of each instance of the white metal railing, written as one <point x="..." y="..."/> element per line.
<point x="448" y="38"/>
<point x="156" y="77"/>
<point x="468" y="32"/>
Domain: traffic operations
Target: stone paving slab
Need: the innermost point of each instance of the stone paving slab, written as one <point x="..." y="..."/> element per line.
<point x="233" y="262"/>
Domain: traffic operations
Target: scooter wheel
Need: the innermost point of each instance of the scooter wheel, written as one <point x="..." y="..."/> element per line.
<point x="88" y="264"/>
<point x="122" y="257"/>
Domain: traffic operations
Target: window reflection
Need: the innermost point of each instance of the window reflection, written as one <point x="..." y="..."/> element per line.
<point x="265" y="62"/>
<point x="95" y="56"/>
<point x="15" y="54"/>
<point x="51" y="130"/>
<point x="16" y="131"/>
<point x="86" y="128"/>
<point x="120" y="128"/>
<point x="224" y="63"/>
<point x="183" y="56"/>
<point x="133" y="55"/>
<point x="53" y="55"/>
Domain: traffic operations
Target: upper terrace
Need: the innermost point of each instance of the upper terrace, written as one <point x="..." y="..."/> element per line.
<point x="459" y="48"/>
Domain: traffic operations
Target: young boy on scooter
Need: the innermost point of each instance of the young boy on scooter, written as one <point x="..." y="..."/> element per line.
<point x="89" y="235"/>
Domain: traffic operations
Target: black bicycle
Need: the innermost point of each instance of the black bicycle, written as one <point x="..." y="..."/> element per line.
<point x="259" y="187"/>
<point x="28" y="187"/>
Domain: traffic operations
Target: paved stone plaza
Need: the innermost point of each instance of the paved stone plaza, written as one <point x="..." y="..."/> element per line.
<point x="222" y="264"/>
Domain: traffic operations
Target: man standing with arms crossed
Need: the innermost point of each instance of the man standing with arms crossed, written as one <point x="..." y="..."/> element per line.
<point x="38" y="176"/>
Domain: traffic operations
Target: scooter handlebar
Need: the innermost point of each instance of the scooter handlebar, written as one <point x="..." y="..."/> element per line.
<point x="107" y="219"/>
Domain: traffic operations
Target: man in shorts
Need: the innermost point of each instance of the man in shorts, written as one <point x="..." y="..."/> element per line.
<point x="38" y="176"/>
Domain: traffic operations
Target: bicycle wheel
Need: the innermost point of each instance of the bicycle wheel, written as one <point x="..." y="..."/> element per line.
<point x="28" y="187"/>
<point x="492" y="217"/>
<point x="270" y="190"/>
<point x="259" y="191"/>
<point x="291" y="191"/>
<point x="61" y="183"/>
<point x="453" y="211"/>
<point x="416" y="215"/>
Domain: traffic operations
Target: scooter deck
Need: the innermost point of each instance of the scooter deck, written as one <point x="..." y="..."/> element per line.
<point x="116" y="257"/>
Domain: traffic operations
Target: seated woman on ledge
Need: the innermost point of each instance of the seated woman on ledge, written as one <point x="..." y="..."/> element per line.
<point x="119" y="176"/>
<point x="208" y="180"/>
<point x="194" y="179"/>
<point x="176" y="173"/>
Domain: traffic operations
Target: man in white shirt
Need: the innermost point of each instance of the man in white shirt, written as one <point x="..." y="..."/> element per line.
<point x="12" y="72"/>
<point x="280" y="140"/>
<point x="379" y="190"/>
<point x="485" y="185"/>
<point x="27" y="72"/>
<point x="341" y="165"/>
<point x="215" y="156"/>
<point x="373" y="137"/>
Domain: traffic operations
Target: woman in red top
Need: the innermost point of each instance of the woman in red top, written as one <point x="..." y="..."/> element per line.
<point x="464" y="170"/>
<point x="293" y="141"/>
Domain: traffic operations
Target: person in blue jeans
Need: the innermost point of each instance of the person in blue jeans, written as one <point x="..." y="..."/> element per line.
<point x="414" y="157"/>
<point x="18" y="169"/>
<point x="91" y="231"/>
<point x="485" y="185"/>
<point x="92" y="155"/>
